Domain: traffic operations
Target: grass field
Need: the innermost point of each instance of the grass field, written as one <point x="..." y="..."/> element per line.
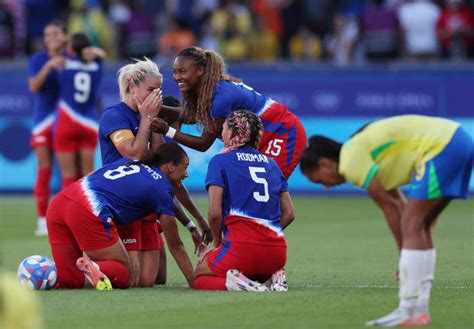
<point x="340" y="270"/>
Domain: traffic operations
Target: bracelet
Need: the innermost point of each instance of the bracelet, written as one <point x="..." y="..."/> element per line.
<point x="171" y="132"/>
<point x="190" y="225"/>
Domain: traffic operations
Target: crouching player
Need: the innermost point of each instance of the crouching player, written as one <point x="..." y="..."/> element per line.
<point x="435" y="156"/>
<point x="249" y="206"/>
<point x="83" y="218"/>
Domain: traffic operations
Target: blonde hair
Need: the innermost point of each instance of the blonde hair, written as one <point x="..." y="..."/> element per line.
<point x="136" y="73"/>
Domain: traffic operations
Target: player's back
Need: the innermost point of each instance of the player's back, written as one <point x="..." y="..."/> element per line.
<point x="79" y="85"/>
<point x="229" y="96"/>
<point x="126" y="191"/>
<point x="252" y="185"/>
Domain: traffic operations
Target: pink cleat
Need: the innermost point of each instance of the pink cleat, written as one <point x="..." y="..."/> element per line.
<point x="98" y="279"/>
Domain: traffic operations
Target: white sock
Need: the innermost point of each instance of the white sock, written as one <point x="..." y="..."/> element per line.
<point x="411" y="268"/>
<point x="42" y="223"/>
<point x="427" y="281"/>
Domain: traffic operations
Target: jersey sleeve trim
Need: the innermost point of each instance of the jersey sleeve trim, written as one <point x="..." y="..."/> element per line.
<point x="370" y="176"/>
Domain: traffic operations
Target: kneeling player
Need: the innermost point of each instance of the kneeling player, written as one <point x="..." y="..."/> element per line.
<point x="83" y="217"/>
<point x="249" y="206"/>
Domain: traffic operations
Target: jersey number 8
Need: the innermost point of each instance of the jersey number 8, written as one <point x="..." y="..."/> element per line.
<point x="121" y="171"/>
<point x="82" y="85"/>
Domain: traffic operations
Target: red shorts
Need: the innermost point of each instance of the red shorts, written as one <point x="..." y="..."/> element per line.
<point x="284" y="137"/>
<point x="72" y="223"/>
<point x="141" y="235"/>
<point x="71" y="135"/>
<point x="42" y="136"/>
<point x="250" y="248"/>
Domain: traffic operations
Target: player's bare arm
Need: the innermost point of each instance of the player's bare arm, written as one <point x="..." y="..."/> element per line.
<point x="36" y="82"/>
<point x="215" y="213"/>
<point x="176" y="247"/>
<point x="392" y="205"/>
<point x="287" y="210"/>
<point x="200" y="143"/>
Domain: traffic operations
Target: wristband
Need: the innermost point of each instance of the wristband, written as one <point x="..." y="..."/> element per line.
<point x="171" y="132"/>
<point x="190" y="225"/>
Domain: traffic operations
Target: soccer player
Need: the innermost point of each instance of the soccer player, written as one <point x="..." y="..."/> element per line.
<point x="124" y="131"/>
<point x="249" y="207"/>
<point x="435" y="156"/>
<point x="42" y="82"/>
<point x="210" y="95"/>
<point x="83" y="218"/>
<point x="75" y="130"/>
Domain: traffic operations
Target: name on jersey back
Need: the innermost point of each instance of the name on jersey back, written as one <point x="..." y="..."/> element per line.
<point x="251" y="157"/>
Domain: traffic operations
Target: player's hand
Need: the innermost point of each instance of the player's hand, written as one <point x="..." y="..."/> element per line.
<point x="158" y="125"/>
<point x="202" y="252"/>
<point x="150" y="107"/>
<point x="196" y="236"/>
<point x="55" y="62"/>
<point x="206" y="236"/>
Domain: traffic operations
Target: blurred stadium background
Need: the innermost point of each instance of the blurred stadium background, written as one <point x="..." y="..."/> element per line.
<point x="337" y="64"/>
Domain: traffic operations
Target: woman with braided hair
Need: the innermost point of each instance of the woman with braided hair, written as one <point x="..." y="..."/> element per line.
<point x="249" y="207"/>
<point x="210" y="95"/>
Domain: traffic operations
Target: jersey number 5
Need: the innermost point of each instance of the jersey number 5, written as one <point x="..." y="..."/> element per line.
<point x="259" y="180"/>
<point x="82" y="86"/>
<point x="121" y="171"/>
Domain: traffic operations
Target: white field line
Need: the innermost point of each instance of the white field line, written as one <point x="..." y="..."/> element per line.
<point x="318" y="286"/>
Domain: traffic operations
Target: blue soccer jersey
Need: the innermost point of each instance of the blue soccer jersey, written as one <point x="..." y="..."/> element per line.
<point x="45" y="101"/>
<point x="116" y="117"/>
<point x="252" y="185"/>
<point x="79" y="87"/>
<point x="230" y="96"/>
<point x="125" y="191"/>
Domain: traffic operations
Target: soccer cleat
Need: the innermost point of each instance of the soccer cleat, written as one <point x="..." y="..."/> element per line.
<point x="417" y="320"/>
<point x="393" y="319"/>
<point x="98" y="279"/>
<point x="277" y="282"/>
<point x="237" y="281"/>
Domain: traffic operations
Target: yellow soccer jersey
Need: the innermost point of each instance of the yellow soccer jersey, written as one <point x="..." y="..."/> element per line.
<point x="394" y="149"/>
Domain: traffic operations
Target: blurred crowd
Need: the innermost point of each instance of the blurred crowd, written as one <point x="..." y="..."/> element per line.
<point x="342" y="31"/>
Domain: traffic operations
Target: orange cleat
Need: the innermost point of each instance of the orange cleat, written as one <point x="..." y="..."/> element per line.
<point x="98" y="279"/>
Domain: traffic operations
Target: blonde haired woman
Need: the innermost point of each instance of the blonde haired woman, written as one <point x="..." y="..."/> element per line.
<point x="124" y="131"/>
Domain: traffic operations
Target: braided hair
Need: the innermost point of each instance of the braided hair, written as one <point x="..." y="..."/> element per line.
<point x="246" y="127"/>
<point x="197" y="104"/>
<point x="319" y="147"/>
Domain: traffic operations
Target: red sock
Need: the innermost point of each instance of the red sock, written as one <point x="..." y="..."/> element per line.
<point x="66" y="181"/>
<point x="41" y="190"/>
<point x="209" y="282"/>
<point x="116" y="272"/>
<point x="69" y="276"/>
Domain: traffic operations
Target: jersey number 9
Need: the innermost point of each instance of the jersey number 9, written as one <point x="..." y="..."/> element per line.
<point x="82" y="86"/>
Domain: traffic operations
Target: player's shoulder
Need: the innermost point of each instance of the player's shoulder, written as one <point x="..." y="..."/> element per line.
<point x="114" y="111"/>
<point x="39" y="57"/>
